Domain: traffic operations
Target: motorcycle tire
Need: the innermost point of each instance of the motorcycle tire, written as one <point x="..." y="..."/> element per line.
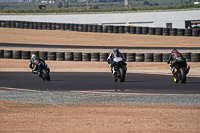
<point x="182" y="75"/>
<point x="44" y="74"/>
<point x="122" y="75"/>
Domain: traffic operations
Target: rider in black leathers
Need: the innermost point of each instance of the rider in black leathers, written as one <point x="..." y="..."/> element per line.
<point x="175" y="58"/>
<point x="33" y="64"/>
<point x="115" y="53"/>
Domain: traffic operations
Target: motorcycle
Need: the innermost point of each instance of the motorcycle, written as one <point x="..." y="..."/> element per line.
<point x="181" y="72"/>
<point x="120" y="69"/>
<point x="44" y="71"/>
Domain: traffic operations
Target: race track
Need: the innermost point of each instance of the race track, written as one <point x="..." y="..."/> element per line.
<point x="73" y="81"/>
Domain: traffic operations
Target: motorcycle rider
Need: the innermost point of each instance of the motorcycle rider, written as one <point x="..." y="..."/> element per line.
<point x="33" y="64"/>
<point x="115" y="53"/>
<point x="175" y="58"/>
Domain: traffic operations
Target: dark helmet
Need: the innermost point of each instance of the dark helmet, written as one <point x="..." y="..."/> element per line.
<point x="116" y="51"/>
<point x="175" y="51"/>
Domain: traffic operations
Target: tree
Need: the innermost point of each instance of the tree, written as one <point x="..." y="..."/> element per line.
<point x="59" y="5"/>
<point x="146" y="3"/>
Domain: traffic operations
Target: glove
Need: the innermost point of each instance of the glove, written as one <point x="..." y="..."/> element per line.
<point x="168" y="61"/>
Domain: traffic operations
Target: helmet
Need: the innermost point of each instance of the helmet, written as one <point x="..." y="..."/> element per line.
<point x="116" y="52"/>
<point x="175" y="51"/>
<point x="33" y="55"/>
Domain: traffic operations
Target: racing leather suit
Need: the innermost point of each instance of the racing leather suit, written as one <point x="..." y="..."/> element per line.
<point x="33" y="64"/>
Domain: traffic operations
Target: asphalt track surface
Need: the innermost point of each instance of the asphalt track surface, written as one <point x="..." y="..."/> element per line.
<point x="82" y="81"/>
<point x="87" y="47"/>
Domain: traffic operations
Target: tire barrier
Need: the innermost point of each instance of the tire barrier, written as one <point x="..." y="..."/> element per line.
<point x="8" y="54"/>
<point x="80" y="27"/>
<point x="75" y="27"/>
<point x="51" y="56"/>
<point x="71" y="27"/>
<point x="132" y="30"/>
<point x="115" y="29"/>
<point x="8" y="24"/>
<point x="30" y="25"/>
<point x="89" y="28"/>
<point x="26" y="54"/>
<point x="43" y="55"/>
<point x="26" y="25"/>
<point x="127" y="29"/>
<point x="12" y="24"/>
<point x="145" y="30"/>
<point x="157" y="57"/>
<point x="53" y="26"/>
<point x="188" y="32"/>
<point x="1" y="53"/>
<point x="3" y="23"/>
<point x="35" y="25"/>
<point x="121" y="29"/>
<point x="94" y="56"/>
<point x="187" y="56"/>
<point x="173" y="32"/>
<point x="85" y="28"/>
<point x="139" y="57"/>
<point x="79" y="56"/>
<point x="21" y="24"/>
<point x="165" y="57"/>
<point x="44" y="26"/>
<point x="110" y="29"/>
<point x="152" y="31"/>
<point x="69" y="56"/>
<point x="158" y="31"/>
<point x="130" y="57"/>
<point x="148" y="57"/>
<point x="138" y="30"/>
<point x="180" y="32"/>
<point x="39" y="26"/>
<point x="104" y="29"/>
<point x="195" y="32"/>
<point x="48" y="26"/>
<point x="195" y="57"/>
<point x="94" y="28"/>
<point x="60" y="56"/>
<point x="17" y="54"/>
<point x="166" y="31"/>
<point x="86" y="56"/>
<point x="57" y="26"/>
<point x="103" y="56"/>
<point x="100" y="28"/>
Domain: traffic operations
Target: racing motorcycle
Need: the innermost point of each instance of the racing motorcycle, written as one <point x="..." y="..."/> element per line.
<point x="120" y="69"/>
<point x="181" y="72"/>
<point x="44" y="71"/>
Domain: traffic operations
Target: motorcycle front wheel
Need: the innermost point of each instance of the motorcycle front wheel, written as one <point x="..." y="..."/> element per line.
<point x="45" y="75"/>
<point x="122" y="75"/>
<point x="182" y="75"/>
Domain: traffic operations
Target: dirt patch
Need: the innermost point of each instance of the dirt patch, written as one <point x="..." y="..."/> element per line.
<point x="28" y="117"/>
<point x="13" y="35"/>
